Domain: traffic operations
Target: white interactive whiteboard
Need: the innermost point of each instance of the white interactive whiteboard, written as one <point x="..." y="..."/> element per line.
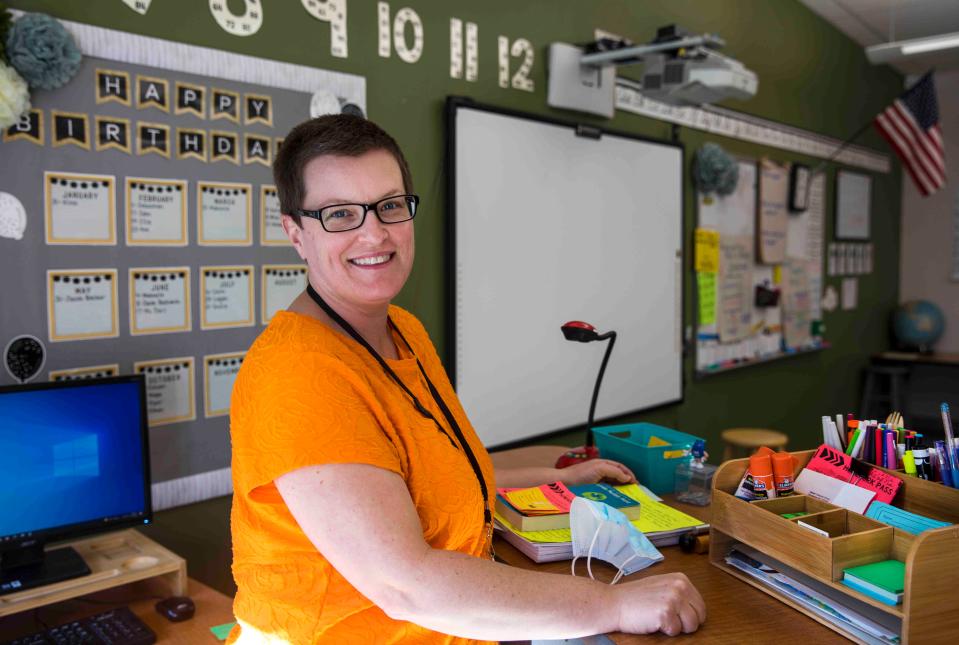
<point x="548" y="226"/>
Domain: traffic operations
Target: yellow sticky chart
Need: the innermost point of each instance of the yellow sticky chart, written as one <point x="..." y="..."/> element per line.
<point x="706" y="294"/>
<point x="707" y="251"/>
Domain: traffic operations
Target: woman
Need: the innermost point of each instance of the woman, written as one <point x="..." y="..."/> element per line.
<point x="362" y="495"/>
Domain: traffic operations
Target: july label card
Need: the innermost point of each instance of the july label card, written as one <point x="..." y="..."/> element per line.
<point x="220" y="372"/>
<point x="224" y="213"/>
<point x="227" y="296"/>
<point x="271" y="228"/>
<point x="79" y="209"/>
<point x="282" y="283"/>
<point x="82" y="304"/>
<point x="169" y="385"/>
<point x="81" y="373"/>
<point x="159" y="300"/>
<point x="156" y="212"/>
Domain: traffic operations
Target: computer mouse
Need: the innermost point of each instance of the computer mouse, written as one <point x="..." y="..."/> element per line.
<point x="176" y="608"/>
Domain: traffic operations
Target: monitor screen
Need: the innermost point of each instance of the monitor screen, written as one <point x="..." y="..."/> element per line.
<point x="74" y="458"/>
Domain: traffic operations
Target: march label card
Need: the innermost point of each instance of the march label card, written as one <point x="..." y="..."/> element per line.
<point x="220" y="372"/>
<point x="271" y="227"/>
<point x="156" y="212"/>
<point x="282" y="283"/>
<point x="227" y="296"/>
<point x="83" y="373"/>
<point x="169" y="385"/>
<point x="224" y="214"/>
<point x="82" y="304"/>
<point x="159" y="300"/>
<point x="79" y="209"/>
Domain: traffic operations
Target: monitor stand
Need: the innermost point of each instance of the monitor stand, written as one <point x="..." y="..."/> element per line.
<point x="26" y="568"/>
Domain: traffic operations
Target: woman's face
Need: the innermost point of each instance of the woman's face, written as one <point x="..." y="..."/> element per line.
<point x="363" y="269"/>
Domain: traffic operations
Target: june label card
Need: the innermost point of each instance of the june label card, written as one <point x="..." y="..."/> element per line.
<point x="169" y="385"/>
<point x="159" y="300"/>
<point x="224" y="214"/>
<point x="227" y="296"/>
<point x="156" y="212"/>
<point x="281" y="284"/>
<point x="271" y="228"/>
<point x="82" y="304"/>
<point x="220" y="372"/>
<point x="79" y="209"/>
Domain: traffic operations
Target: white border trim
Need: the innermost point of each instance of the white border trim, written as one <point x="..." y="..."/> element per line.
<point x="191" y="489"/>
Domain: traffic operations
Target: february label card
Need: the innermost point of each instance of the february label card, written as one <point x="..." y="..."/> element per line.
<point x="159" y="300"/>
<point x="227" y="296"/>
<point x="79" y="209"/>
<point x="169" y="385"/>
<point x="224" y="212"/>
<point x="220" y="372"/>
<point x="281" y="284"/>
<point x="82" y="304"/>
<point x="156" y="212"/>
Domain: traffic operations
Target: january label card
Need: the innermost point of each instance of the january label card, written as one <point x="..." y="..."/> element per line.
<point x="82" y="304"/>
<point x="224" y="214"/>
<point x="271" y="227"/>
<point x="226" y="296"/>
<point x="220" y="372"/>
<point x="159" y="300"/>
<point x="82" y="373"/>
<point x="79" y="209"/>
<point x="169" y="385"/>
<point x="282" y="283"/>
<point x="156" y="212"/>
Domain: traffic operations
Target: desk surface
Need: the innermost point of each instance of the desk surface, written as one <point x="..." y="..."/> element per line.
<point x="212" y="608"/>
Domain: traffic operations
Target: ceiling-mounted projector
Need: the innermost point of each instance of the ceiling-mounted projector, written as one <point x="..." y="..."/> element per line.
<point x="678" y="69"/>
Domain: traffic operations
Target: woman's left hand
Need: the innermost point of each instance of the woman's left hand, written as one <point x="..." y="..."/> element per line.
<point x="595" y="471"/>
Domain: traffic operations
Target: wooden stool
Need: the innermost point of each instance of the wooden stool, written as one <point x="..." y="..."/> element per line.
<point x="750" y="439"/>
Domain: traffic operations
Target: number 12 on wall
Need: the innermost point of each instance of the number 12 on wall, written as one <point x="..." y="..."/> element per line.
<point x="521" y="79"/>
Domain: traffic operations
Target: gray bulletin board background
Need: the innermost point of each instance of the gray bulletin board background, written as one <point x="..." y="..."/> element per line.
<point x="179" y="451"/>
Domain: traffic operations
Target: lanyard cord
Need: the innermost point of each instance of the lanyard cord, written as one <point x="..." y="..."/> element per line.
<point x="464" y="445"/>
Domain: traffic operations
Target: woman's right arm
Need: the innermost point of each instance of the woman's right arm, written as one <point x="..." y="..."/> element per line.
<point x="361" y="518"/>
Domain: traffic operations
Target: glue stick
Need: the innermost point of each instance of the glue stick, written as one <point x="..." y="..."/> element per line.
<point x="761" y="468"/>
<point x="783" y="474"/>
<point x="745" y="489"/>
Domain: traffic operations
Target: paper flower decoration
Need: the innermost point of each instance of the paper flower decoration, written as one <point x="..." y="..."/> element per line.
<point x="42" y="51"/>
<point x="714" y="171"/>
<point x="14" y="96"/>
<point x="6" y="19"/>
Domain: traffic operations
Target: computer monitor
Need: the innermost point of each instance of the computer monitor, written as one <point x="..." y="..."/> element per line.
<point x="74" y="460"/>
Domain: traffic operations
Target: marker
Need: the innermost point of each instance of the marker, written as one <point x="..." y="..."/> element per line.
<point x="950" y="442"/>
<point x="945" y="468"/>
<point x="921" y="455"/>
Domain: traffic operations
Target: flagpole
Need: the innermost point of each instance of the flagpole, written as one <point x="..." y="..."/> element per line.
<point x="842" y="146"/>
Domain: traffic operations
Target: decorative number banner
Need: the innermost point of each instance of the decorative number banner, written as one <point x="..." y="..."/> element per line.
<point x="82" y="304"/>
<point x="281" y="284"/>
<point x="227" y="296"/>
<point x="79" y="209"/>
<point x="224" y="214"/>
<point x="220" y="372"/>
<point x="159" y="300"/>
<point x="156" y="212"/>
<point x="169" y="385"/>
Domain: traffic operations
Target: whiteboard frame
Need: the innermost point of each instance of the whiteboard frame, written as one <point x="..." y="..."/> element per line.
<point x="453" y="104"/>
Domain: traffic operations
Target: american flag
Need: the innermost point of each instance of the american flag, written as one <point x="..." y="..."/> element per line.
<point x="911" y="126"/>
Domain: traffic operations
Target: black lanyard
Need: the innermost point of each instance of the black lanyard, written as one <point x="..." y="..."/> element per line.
<point x="463" y="444"/>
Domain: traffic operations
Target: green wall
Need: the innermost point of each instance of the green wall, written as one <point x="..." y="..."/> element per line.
<point x="811" y="76"/>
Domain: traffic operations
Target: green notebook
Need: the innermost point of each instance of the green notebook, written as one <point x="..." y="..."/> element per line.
<point x="888" y="575"/>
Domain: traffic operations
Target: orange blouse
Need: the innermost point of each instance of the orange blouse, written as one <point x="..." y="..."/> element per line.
<point x="309" y="395"/>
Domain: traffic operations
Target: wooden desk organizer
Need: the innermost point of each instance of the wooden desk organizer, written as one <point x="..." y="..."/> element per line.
<point x="929" y="612"/>
<point x="111" y="560"/>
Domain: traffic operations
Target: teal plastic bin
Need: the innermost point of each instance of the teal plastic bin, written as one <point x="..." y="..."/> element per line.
<point x="655" y="467"/>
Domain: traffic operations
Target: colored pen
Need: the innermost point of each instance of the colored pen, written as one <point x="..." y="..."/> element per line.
<point x="950" y="442"/>
<point x="945" y="468"/>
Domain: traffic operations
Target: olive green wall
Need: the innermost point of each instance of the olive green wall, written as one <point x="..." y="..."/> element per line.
<point x="811" y="76"/>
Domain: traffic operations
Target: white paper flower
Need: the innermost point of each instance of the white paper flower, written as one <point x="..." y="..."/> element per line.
<point x="14" y="96"/>
<point x="13" y="218"/>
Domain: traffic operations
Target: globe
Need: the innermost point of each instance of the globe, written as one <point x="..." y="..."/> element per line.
<point x="917" y="325"/>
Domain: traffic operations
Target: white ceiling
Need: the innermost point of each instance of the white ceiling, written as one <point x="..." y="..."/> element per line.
<point x="872" y="22"/>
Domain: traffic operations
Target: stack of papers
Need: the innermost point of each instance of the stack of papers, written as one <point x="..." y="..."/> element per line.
<point x="660" y="523"/>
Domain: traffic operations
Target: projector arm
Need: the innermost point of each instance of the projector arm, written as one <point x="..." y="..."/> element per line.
<point x="634" y="54"/>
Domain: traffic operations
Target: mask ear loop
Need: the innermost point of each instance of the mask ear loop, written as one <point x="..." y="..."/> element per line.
<point x="622" y="569"/>
<point x="589" y="554"/>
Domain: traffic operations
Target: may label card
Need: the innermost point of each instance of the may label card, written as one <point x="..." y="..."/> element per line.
<point x="169" y="385"/>
<point x="82" y="304"/>
<point x="159" y="300"/>
<point x="271" y="228"/>
<point x="281" y="284"/>
<point x="156" y="212"/>
<point x="220" y="372"/>
<point x="227" y="296"/>
<point x="79" y="209"/>
<point x="224" y="214"/>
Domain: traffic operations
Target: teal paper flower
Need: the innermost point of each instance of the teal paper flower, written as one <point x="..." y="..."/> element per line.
<point x="42" y="51"/>
<point x="715" y="171"/>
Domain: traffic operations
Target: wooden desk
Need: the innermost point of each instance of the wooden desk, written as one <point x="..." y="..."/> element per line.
<point x="212" y="608"/>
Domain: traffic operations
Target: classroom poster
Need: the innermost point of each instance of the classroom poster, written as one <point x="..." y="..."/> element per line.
<point x="82" y="304"/>
<point x="271" y="228"/>
<point x="281" y="284"/>
<point x="796" y="303"/>
<point x="156" y="212"/>
<point x="80" y="373"/>
<point x="79" y="208"/>
<point x="224" y="212"/>
<point x="169" y="386"/>
<point x="159" y="300"/>
<point x="220" y="372"/>
<point x="735" y="287"/>
<point x="227" y="296"/>
<point x="773" y="214"/>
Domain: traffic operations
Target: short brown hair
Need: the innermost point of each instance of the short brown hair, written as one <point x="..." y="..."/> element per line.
<point x="333" y="134"/>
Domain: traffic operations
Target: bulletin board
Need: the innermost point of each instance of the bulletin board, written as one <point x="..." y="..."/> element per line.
<point x="152" y="240"/>
<point x="759" y="270"/>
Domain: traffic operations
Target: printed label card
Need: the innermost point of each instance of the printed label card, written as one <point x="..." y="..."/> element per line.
<point x="271" y="228"/>
<point x="169" y="385"/>
<point x="79" y="209"/>
<point x="82" y="304"/>
<point x="282" y="283"/>
<point x="159" y="300"/>
<point x="227" y="296"/>
<point x="224" y="212"/>
<point x="156" y="212"/>
<point x="220" y="372"/>
<point x="83" y="373"/>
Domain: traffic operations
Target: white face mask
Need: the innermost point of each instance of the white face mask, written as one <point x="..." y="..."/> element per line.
<point x="601" y="531"/>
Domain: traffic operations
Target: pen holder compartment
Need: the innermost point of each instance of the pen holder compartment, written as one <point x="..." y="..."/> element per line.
<point x="794" y="504"/>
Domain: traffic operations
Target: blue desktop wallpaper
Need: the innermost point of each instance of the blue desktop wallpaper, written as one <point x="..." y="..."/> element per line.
<point x="69" y="455"/>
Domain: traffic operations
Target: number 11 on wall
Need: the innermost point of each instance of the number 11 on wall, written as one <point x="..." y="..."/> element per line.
<point x="521" y="79"/>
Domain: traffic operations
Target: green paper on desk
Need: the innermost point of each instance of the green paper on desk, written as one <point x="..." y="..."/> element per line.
<point x="888" y="574"/>
<point x="222" y="631"/>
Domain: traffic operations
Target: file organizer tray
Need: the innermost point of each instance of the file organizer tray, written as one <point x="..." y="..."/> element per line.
<point x="655" y="467"/>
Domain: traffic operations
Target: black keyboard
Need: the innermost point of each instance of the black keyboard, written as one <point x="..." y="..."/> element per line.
<point x="113" y="627"/>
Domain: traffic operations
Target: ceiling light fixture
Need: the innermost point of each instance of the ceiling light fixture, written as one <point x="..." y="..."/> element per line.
<point x="888" y="52"/>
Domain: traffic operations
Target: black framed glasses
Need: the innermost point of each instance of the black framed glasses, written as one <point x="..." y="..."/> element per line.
<point x="337" y="218"/>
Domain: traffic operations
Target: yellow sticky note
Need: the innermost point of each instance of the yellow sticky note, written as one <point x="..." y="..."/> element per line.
<point x="778" y="274"/>
<point x="707" y="250"/>
<point x="656" y="441"/>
